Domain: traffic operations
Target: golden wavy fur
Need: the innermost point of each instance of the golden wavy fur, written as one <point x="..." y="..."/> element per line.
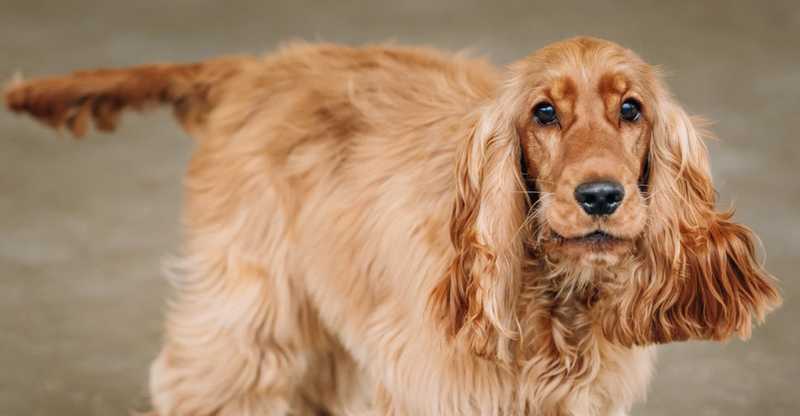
<point x="388" y="230"/>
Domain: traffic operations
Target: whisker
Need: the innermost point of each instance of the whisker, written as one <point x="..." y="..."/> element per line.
<point x="533" y="212"/>
<point x="537" y="180"/>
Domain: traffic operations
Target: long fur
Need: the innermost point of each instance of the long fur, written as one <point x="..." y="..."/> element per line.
<point x="373" y="231"/>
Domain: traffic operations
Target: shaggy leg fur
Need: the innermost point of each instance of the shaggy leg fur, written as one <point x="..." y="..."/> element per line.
<point x="227" y="351"/>
<point x="242" y="339"/>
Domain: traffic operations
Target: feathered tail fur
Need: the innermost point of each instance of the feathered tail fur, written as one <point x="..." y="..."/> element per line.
<point x="101" y="95"/>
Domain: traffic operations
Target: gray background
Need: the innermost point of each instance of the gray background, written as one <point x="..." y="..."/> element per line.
<point x="84" y="226"/>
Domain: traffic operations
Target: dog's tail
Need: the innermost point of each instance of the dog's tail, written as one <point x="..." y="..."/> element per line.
<point x="101" y="95"/>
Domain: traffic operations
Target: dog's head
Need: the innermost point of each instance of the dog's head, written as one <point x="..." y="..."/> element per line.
<point x="585" y="164"/>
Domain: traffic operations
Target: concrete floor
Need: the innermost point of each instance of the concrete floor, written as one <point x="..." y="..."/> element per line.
<point x="84" y="226"/>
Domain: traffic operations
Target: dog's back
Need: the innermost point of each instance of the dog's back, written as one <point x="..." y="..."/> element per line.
<point x="309" y="76"/>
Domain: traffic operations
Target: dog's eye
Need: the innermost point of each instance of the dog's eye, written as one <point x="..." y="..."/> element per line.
<point x="544" y="114"/>
<point x="630" y="110"/>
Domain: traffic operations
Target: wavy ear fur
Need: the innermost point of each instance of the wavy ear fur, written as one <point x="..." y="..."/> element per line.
<point x="475" y="299"/>
<point x="700" y="278"/>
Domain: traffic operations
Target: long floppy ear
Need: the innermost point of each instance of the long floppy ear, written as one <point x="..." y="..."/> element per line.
<point x="476" y="298"/>
<point x="700" y="278"/>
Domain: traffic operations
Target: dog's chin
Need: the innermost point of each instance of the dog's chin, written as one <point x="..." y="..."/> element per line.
<point x="597" y="248"/>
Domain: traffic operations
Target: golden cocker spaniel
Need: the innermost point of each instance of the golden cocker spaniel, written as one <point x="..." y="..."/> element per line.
<point x="387" y="230"/>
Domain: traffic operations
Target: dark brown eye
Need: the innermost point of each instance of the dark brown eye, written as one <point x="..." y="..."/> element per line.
<point x="545" y="113"/>
<point x="630" y="110"/>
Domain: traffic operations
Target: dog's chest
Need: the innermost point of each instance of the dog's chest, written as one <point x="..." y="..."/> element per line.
<point x="569" y="368"/>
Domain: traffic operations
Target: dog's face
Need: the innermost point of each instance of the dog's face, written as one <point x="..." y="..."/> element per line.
<point x="584" y="131"/>
<point x="584" y="165"/>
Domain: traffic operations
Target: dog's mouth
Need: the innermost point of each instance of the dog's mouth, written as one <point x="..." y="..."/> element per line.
<point x="598" y="247"/>
<point x="597" y="240"/>
<point x="595" y="237"/>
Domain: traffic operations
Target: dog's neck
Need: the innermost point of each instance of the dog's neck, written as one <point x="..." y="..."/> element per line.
<point x="562" y="297"/>
<point x="560" y="344"/>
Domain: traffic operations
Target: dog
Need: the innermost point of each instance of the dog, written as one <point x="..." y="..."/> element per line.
<point x="400" y="231"/>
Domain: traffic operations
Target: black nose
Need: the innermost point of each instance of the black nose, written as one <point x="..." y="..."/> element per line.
<point x="599" y="198"/>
